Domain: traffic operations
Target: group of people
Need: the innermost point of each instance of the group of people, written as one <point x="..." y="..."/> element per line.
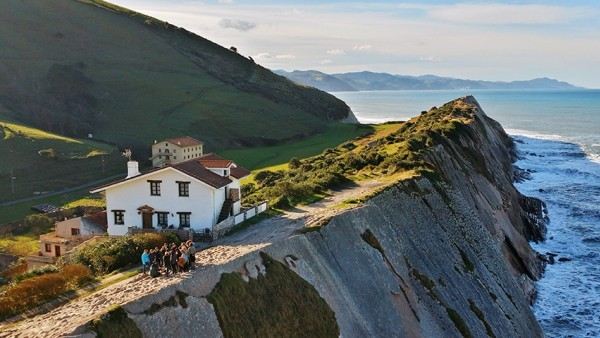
<point x="169" y="259"/>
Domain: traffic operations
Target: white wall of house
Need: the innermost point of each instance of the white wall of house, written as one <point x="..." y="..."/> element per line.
<point x="204" y="202"/>
<point x="235" y="184"/>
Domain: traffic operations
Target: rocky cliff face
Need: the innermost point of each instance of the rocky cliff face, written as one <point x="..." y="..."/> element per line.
<point x="445" y="254"/>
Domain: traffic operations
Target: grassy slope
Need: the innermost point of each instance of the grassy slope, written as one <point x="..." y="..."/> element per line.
<point x="263" y="157"/>
<point x="73" y="162"/>
<point x="130" y="79"/>
<point x="150" y="80"/>
<point x="394" y="152"/>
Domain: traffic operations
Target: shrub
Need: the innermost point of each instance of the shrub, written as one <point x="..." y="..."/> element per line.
<point x="294" y="163"/>
<point x="28" y="293"/>
<point x="17" y="268"/>
<point x="36" y="224"/>
<point x="77" y="274"/>
<point x="36" y="272"/>
<point x="267" y="177"/>
<point x="109" y="254"/>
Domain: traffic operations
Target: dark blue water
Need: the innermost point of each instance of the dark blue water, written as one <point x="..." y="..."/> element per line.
<point x="558" y="134"/>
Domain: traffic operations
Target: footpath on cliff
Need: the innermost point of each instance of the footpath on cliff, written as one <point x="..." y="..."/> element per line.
<point x="66" y="318"/>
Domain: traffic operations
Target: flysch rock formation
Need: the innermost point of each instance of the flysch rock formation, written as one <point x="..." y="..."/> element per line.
<point x="443" y="255"/>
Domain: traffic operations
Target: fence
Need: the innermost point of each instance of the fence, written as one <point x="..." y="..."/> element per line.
<point x="221" y="229"/>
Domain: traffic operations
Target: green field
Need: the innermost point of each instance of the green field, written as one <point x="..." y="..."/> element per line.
<point x="252" y="158"/>
<point x="263" y="157"/>
<point x="41" y="161"/>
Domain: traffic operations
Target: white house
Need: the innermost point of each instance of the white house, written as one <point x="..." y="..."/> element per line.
<point x="175" y="150"/>
<point x="195" y="194"/>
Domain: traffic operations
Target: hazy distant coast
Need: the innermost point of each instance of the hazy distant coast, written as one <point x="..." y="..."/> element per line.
<point x="362" y="81"/>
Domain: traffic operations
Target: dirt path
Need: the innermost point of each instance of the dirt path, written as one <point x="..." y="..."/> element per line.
<point x="67" y="317"/>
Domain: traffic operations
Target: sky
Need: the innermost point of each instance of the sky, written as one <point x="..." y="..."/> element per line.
<point x="508" y="40"/>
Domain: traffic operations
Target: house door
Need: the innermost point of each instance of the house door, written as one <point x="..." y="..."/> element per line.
<point x="147" y="220"/>
<point x="57" y="250"/>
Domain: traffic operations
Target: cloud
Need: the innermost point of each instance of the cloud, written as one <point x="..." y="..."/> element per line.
<point x="263" y="56"/>
<point x="285" y="56"/>
<point x="500" y="14"/>
<point x="336" y="52"/>
<point x="462" y="38"/>
<point x="325" y="62"/>
<point x="430" y="59"/>
<point x="225" y="1"/>
<point x="362" y="47"/>
<point x="239" y="25"/>
<point x="269" y="56"/>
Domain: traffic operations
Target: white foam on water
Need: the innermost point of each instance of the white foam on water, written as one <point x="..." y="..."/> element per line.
<point x="378" y="120"/>
<point x="533" y="134"/>
<point x="569" y="182"/>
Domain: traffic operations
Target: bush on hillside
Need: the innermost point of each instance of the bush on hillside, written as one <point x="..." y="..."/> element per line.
<point x="112" y="253"/>
<point x="35" y="272"/>
<point x="294" y="163"/>
<point x="35" y="291"/>
<point x="36" y="224"/>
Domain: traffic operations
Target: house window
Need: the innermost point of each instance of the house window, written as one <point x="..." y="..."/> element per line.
<point x="48" y="247"/>
<point x="75" y="232"/>
<point x="163" y="218"/>
<point x="184" y="189"/>
<point x="226" y="172"/>
<point x="184" y="219"/>
<point x="119" y="216"/>
<point x="155" y="187"/>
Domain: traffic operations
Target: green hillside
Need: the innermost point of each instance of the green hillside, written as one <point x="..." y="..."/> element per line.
<point x="72" y="68"/>
<point x="41" y="161"/>
<point x="79" y="67"/>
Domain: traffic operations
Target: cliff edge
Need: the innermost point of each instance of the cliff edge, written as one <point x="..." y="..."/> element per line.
<point x="444" y="253"/>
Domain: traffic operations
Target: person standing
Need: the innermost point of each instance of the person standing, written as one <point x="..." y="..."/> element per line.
<point x="174" y="259"/>
<point x="145" y="261"/>
<point x="192" y="253"/>
<point x="167" y="261"/>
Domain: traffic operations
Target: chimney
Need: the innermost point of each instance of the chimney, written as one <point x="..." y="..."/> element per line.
<point x="132" y="169"/>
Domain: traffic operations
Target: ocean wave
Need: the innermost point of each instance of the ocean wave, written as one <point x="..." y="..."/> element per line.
<point x="584" y="149"/>
<point x="377" y="120"/>
<point x="534" y="134"/>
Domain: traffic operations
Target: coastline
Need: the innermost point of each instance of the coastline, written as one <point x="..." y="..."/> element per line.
<point x="567" y="178"/>
<point x="573" y="284"/>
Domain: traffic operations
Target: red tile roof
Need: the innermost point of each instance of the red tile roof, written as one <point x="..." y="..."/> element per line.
<point x="213" y="161"/>
<point x="197" y="168"/>
<point x="185" y="141"/>
<point x="239" y="172"/>
<point x="98" y="219"/>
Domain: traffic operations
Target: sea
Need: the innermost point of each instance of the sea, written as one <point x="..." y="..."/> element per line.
<point x="558" y="139"/>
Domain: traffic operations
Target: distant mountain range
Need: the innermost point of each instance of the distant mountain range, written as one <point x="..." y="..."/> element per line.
<point x="358" y="81"/>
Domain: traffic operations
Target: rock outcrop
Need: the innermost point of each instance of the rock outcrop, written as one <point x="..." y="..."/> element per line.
<point x="441" y="255"/>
